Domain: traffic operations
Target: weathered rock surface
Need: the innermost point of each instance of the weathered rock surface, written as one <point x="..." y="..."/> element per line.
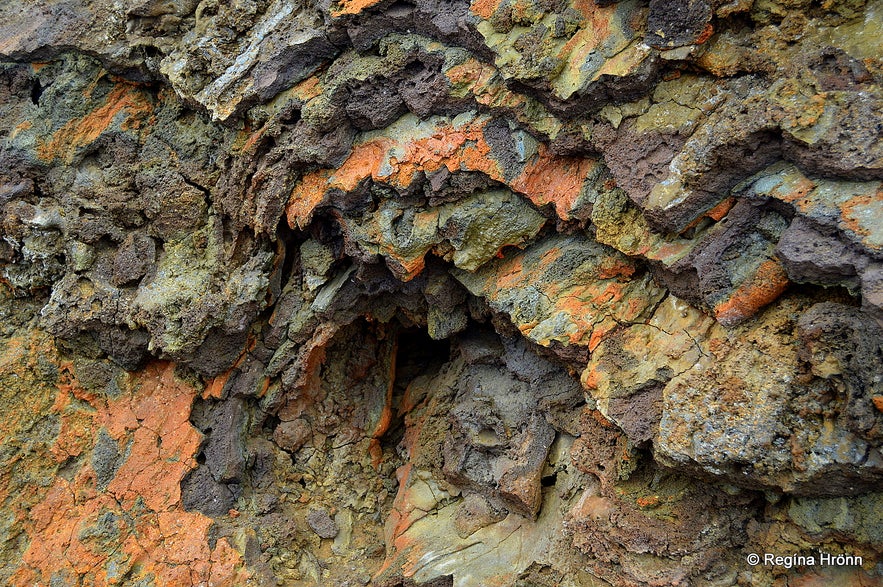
<point x="440" y="293"/>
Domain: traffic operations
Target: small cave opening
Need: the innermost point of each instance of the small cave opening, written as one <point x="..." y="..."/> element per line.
<point x="36" y="91"/>
<point x="418" y="354"/>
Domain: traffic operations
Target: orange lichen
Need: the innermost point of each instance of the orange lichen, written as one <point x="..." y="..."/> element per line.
<point x="615" y="266"/>
<point x="22" y="360"/>
<point x="135" y="526"/>
<point x="27" y="124"/>
<point x="484" y="8"/>
<point x="353" y="7"/>
<point x="596" y="338"/>
<point x="797" y="191"/>
<point x="598" y="417"/>
<point x="308" y="89"/>
<point x="716" y="213"/>
<point x="599" y="15"/>
<point x="406" y="269"/>
<point x="248" y="140"/>
<point x="648" y="501"/>
<point x="878" y="402"/>
<point x="216" y="386"/>
<point x="554" y="180"/>
<point x="125" y="100"/>
<point x="721" y="210"/>
<point x="767" y="284"/>
<point x="385" y="419"/>
<point x="585" y="310"/>
<point x="591" y="378"/>
<point x="545" y="179"/>
<point x="468" y="72"/>
<point x="861" y="212"/>
<point x="706" y="34"/>
<point x="308" y="194"/>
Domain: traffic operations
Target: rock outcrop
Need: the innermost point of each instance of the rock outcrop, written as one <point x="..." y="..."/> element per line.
<point x="407" y="293"/>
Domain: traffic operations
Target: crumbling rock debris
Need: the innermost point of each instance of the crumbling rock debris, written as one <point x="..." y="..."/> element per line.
<point x="440" y="293"/>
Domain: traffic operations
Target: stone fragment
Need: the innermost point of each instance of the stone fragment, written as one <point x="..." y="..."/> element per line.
<point x="678" y="24"/>
<point x="634" y="402"/>
<point x="575" y="50"/>
<point x="316" y="260"/>
<point x="290" y="436"/>
<point x="280" y="47"/>
<point x="872" y="291"/>
<point x="483" y="449"/>
<point x="850" y="207"/>
<point x="812" y="257"/>
<point x="322" y="523"/>
<point x="134" y="258"/>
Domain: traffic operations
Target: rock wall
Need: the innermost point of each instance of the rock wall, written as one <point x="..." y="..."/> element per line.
<point x="424" y="292"/>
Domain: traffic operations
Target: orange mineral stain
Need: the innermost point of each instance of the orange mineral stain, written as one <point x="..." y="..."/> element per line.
<point x="484" y="8"/>
<point x="545" y="179"/>
<point x="136" y="525"/>
<point x="767" y="284"/>
<point x="554" y="180"/>
<point x="125" y="100"/>
<point x="860" y="213"/>
<point x="353" y="7"/>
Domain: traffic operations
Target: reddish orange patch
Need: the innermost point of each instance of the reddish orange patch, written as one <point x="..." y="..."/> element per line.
<point x="247" y="139"/>
<point x="547" y="179"/>
<point x="878" y="402"/>
<point x="124" y="99"/>
<point x="598" y="417"/>
<point x="308" y="194"/>
<point x="484" y="8"/>
<point x="20" y="127"/>
<point x="615" y="266"/>
<point x="136" y="526"/>
<point x="468" y="72"/>
<point x="721" y="210"/>
<point x="216" y="386"/>
<point x="308" y="89"/>
<point x="407" y="269"/>
<point x="716" y="213"/>
<point x="590" y="378"/>
<point x="385" y="420"/>
<point x="851" y="211"/>
<point x="555" y="180"/>
<point x="648" y="501"/>
<point x="801" y="188"/>
<point x="706" y="34"/>
<point x="590" y="9"/>
<point x="353" y="7"/>
<point x="767" y="284"/>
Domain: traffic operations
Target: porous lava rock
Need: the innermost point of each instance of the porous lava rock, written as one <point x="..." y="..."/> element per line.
<point x="473" y="293"/>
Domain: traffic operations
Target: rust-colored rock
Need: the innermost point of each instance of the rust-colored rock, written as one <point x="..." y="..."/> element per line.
<point x="491" y="292"/>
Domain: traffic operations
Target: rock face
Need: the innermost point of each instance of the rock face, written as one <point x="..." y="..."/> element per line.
<point x="441" y="293"/>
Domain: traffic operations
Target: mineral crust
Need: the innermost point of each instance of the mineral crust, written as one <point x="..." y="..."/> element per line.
<point x="422" y="292"/>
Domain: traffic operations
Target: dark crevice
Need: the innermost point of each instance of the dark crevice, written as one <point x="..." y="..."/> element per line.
<point x="36" y="91"/>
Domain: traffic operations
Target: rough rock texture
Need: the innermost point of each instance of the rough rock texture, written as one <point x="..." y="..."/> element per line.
<point x="509" y="292"/>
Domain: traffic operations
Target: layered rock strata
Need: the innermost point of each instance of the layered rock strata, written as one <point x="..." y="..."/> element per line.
<point x="441" y="293"/>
